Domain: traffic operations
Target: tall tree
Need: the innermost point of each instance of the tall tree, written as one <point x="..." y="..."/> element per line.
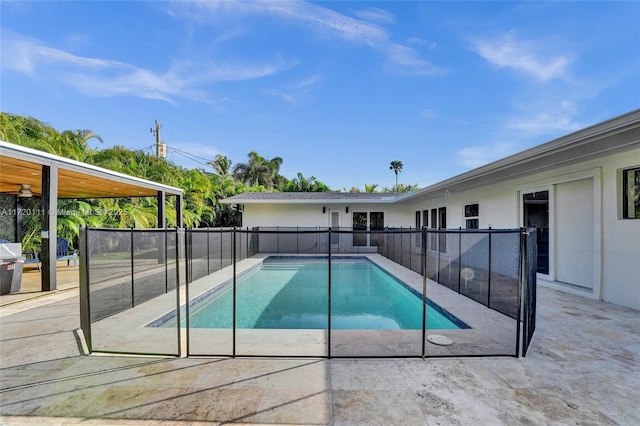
<point x="370" y="187"/>
<point x="221" y="164"/>
<point x="259" y="171"/>
<point x="302" y="184"/>
<point x="396" y="166"/>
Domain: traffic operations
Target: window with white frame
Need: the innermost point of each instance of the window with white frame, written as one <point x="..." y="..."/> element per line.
<point x="471" y="216"/>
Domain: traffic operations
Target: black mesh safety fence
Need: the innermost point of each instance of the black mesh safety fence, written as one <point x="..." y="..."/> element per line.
<point x="310" y="291"/>
<point x="129" y="279"/>
<point x="481" y="265"/>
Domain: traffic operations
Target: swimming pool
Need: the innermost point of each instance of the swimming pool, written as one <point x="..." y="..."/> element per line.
<point x="291" y="293"/>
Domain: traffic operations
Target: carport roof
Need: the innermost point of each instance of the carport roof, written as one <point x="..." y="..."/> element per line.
<point x="20" y="165"/>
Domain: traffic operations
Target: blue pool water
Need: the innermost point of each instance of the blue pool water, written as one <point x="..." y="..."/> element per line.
<point x="291" y="293"/>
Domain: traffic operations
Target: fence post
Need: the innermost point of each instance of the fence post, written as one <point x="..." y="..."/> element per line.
<point x="132" y="272"/>
<point x="521" y="281"/>
<point x="178" y="319"/>
<point x="438" y="264"/>
<point x="459" y="257"/>
<point x="233" y="260"/>
<point x="85" y="297"/>
<point x="188" y="267"/>
<point x="329" y="299"/>
<point x="489" y="272"/>
<point x="424" y="291"/>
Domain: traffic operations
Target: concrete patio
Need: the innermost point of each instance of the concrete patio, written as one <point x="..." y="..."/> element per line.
<point x="583" y="368"/>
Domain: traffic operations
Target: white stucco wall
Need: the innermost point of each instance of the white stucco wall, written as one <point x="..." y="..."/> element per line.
<point x="616" y="241"/>
<point x="311" y="215"/>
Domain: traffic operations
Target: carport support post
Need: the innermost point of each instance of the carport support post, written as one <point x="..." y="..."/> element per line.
<point x="49" y="200"/>
<point x="179" y="211"/>
<point x="162" y="219"/>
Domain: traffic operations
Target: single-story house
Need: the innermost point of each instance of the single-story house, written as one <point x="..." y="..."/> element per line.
<point x="581" y="191"/>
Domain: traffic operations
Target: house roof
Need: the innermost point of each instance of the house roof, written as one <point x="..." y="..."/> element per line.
<point x="616" y="135"/>
<point x="21" y="165"/>
<point x="312" y="197"/>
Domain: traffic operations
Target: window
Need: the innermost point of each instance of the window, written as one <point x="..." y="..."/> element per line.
<point x="376" y="223"/>
<point x="363" y="220"/>
<point x="376" y="220"/>
<point x="442" y="224"/>
<point x="425" y="218"/>
<point x="433" y="241"/>
<point x="631" y="193"/>
<point x="359" y="224"/>
<point x="416" y="236"/>
<point x="471" y="213"/>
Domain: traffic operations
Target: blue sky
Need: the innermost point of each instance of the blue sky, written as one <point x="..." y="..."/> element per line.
<point x="337" y="89"/>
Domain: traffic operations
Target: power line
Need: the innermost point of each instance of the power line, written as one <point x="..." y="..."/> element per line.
<point x="191" y="157"/>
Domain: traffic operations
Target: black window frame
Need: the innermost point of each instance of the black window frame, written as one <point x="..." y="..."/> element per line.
<point x="628" y="188"/>
<point x="472" y="216"/>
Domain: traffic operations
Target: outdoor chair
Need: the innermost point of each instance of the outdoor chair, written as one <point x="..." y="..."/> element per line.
<point x="64" y="253"/>
<point x="32" y="257"/>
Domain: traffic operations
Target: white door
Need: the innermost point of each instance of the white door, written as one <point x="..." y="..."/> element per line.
<point x="574" y="233"/>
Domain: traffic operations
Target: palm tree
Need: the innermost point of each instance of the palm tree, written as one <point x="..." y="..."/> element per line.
<point x="302" y="184"/>
<point x="259" y="171"/>
<point x="396" y="166"/>
<point x="369" y="188"/>
<point x="221" y="164"/>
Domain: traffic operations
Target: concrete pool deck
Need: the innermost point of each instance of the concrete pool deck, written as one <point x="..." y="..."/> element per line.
<point x="583" y="367"/>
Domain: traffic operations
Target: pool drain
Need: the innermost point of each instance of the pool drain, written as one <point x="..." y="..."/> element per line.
<point x="438" y="339"/>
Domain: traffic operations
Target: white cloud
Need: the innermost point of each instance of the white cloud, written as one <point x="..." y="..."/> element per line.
<point x="426" y="43"/>
<point x="104" y="77"/>
<point x="476" y="156"/>
<point x="545" y="117"/>
<point x="373" y="14"/>
<point x="324" y="21"/>
<point x="295" y="92"/>
<point x="287" y="97"/>
<point x="544" y="122"/>
<point x="523" y="56"/>
<point x="310" y="81"/>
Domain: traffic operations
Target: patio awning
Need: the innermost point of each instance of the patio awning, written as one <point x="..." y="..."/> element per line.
<point x="20" y="165"/>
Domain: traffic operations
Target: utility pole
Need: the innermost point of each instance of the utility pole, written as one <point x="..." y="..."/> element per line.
<point x="161" y="147"/>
